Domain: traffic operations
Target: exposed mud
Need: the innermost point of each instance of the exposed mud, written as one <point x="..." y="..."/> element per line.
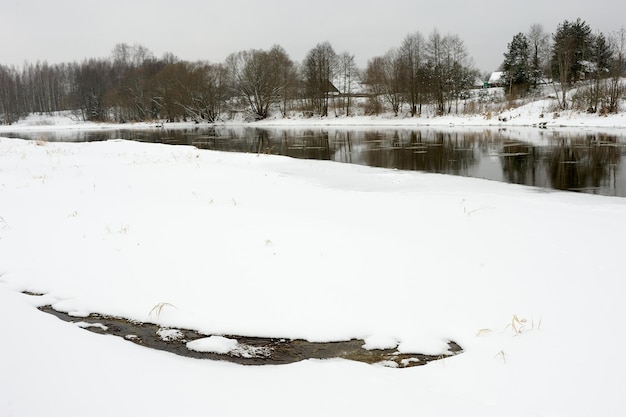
<point x="251" y="350"/>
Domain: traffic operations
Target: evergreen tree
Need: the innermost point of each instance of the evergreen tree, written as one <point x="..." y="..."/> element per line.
<point x="569" y="52"/>
<point x="600" y="56"/>
<point x="517" y="66"/>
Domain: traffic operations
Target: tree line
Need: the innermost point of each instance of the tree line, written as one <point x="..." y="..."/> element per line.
<point x="573" y="56"/>
<point x="433" y="72"/>
<point x="134" y="85"/>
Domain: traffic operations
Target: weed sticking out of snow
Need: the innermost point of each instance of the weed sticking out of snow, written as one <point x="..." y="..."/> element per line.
<point x="483" y="332"/>
<point x="520" y="325"/>
<point x="3" y="224"/>
<point x="501" y="355"/>
<point x="158" y="309"/>
<point x="517" y="326"/>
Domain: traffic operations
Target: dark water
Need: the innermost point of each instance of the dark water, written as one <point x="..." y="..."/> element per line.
<point x="256" y="350"/>
<point x="575" y="160"/>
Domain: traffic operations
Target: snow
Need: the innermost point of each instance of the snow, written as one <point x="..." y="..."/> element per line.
<point x="380" y="342"/>
<point x="529" y="283"/>
<point x="223" y="345"/>
<point x="214" y="344"/>
<point x="532" y="113"/>
<point x="169" y="334"/>
<point x="496" y="77"/>
<point x="85" y="325"/>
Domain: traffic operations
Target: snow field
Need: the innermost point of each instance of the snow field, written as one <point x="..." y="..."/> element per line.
<point x="270" y="246"/>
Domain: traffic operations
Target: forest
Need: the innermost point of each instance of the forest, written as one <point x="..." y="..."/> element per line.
<point x="434" y="72"/>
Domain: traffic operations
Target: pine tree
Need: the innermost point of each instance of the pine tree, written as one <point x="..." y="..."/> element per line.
<point x="569" y="52"/>
<point x="598" y="66"/>
<point x="517" y="66"/>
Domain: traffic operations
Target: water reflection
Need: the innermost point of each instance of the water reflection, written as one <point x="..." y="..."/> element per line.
<point x="585" y="164"/>
<point x="567" y="160"/>
<point x="440" y="152"/>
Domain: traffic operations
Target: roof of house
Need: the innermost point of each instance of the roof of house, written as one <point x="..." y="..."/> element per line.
<point x="495" y="77"/>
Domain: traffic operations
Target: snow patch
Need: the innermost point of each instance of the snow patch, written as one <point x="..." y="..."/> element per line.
<point x="213" y="344"/>
<point x="170" y="335"/>
<point x="85" y="325"/>
<point x="380" y="342"/>
<point x="226" y="346"/>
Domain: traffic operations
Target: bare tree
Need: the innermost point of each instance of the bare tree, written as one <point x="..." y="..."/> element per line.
<point x="285" y="76"/>
<point x="214" y="93"/>
<point x="384" y="75"/>
<point x="131" y="55"/>
<point x="460" y="69"/>
<point x="10" y="107"/>
<point x="617" y="69"/>
<point x="436" y="55"/>
<point x="174" y="85"/>
<point x="132" y="94"/>
<point x="194" y="91"/>
<point x="450" y="68"/>
<point x="93" y="79"/>
<point x="258" y="78"/>
<point x="539" y="43"/>
<point x="374" y="80"/>
<point x="348" y="76"/>
<point x="412" y="53"/>
<point x="319" y="69"/>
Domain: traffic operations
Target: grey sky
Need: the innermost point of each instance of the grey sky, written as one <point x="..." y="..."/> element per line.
<point x="71" y="30"/>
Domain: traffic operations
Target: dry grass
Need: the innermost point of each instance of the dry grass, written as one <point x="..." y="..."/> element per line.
<point x="3" y="224"/>
<point x="158" y="309"/>
<point x="483" y="332"/>
<point x="517" y="325"/>
<point x="520" y="325"/>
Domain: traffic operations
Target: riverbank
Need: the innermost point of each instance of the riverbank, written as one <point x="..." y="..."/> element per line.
<point x="534" y="114"/>
<point x="529" y="283"/>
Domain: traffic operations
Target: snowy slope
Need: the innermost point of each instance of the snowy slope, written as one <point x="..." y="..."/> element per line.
<point x="270" y="246"/>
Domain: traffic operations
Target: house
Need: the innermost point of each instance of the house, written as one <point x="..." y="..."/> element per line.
<point x="331" y="89"/>
<point x="496" y="79"/>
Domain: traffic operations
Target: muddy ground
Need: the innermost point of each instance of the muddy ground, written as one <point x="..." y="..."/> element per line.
<point x="251" y="350"/>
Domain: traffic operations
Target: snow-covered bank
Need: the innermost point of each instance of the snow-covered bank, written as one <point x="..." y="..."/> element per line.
<point x="532" y="114"/>
<point x="271" y="246"/>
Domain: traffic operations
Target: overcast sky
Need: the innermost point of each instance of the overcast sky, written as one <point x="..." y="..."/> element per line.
<point x="71" y="30"/>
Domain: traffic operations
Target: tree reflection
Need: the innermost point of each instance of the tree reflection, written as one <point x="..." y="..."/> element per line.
<point x="440" y="152"/>
<point x="586" y="162"/>
<point x="520" y="162"/>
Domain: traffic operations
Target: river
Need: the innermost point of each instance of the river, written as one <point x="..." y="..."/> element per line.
<point x="575" y="160"/>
